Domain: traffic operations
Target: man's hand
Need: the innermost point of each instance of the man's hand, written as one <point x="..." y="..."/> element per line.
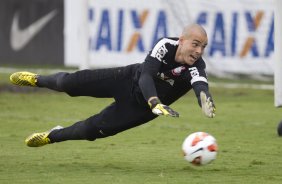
<point x="161" y="109"/>
<point x="208" y="107"/>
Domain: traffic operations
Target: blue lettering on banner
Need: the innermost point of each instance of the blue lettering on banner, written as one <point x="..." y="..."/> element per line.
<point x="109" y="33"/>
<point x="104" y="33"/>
<point x="218" y="37"/>
<point x="106" y="39"/>
<point x="252" y="29"/>
<point x="120" y="29"/>
<point x="218" y="43"/>
<point x="270" y="40"/>
<point x="202" y="18"/>
<point x="137" y="25"/>
<point x="234" y="34"/>
<point x="161" y="28"/>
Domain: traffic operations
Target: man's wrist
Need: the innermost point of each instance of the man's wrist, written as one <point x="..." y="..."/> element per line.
<point x="153" y="101"/>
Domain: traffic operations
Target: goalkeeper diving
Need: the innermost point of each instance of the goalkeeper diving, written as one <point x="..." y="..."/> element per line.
<point x="141" y="91"/>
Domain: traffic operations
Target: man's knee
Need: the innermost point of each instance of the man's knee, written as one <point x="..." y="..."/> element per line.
<point x="60" y="79"/>
<point x="94" y="131"/>
<point x="66" y="83"/>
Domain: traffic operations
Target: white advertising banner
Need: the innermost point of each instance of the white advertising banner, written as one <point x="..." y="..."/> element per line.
<point x="241" y="32"/>
<point x="122" y="32"/>
<point x="278" y="55"/>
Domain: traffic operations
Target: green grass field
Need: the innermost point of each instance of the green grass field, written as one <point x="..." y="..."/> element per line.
<point x="245" y="127"/>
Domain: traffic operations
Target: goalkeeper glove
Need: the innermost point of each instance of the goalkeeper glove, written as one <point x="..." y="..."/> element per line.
<point x="208" y="107"/>
<point x="160" y="109"/>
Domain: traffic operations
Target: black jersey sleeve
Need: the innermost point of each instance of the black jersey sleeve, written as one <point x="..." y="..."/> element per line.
<point x="201" y="86"/>
<point x="199" y="80"/>
<point x="146" y="80"/>
<point x="152" y="66"/>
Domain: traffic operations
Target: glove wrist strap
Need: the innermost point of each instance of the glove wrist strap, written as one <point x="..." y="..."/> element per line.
<point x="155" y="101"/>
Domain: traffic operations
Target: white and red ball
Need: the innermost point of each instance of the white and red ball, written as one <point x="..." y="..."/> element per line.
<point x="200" y="148"/>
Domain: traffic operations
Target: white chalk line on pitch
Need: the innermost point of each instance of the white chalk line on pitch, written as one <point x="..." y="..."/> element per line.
<point x="211" y="84"/>
<point x="35" y="70"/>
<point x="238" y="85"/>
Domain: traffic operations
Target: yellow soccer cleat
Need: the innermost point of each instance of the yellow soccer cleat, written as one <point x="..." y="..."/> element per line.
<point x="38" y="139"/>
<point x="24" y="78"/>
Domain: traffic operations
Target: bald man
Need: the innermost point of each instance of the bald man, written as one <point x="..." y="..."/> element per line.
<point x="141" y="91"/>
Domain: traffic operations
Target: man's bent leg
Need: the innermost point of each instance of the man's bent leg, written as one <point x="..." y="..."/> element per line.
<point x="31" y="79"/>
<point x="82" y="130"/>
<point x="94" y="83"/>
<point x="107" y="123"/>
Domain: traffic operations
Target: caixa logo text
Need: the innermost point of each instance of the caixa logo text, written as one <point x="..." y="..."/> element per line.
<point x="239" y="33"/>
<point x="126" y="30"/>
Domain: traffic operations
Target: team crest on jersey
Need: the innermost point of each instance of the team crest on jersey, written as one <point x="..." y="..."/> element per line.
<point x="177" y="71"/>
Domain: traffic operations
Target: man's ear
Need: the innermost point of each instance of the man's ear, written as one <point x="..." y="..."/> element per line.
<point x="181" y="39"/>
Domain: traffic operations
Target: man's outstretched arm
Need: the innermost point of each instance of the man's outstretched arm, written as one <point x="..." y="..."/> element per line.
<point x="204" y="98"/>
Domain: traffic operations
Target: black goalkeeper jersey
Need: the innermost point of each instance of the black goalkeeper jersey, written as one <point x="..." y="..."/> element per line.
<point x="160" y="75"/>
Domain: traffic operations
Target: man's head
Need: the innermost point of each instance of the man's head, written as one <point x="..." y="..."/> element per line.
<point x="192" y="43"/>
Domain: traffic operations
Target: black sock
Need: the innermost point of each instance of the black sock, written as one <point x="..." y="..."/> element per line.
<point x="51" y="81"/>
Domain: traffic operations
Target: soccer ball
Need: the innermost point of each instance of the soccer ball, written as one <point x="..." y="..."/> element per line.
<point x="200" y="148"/>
